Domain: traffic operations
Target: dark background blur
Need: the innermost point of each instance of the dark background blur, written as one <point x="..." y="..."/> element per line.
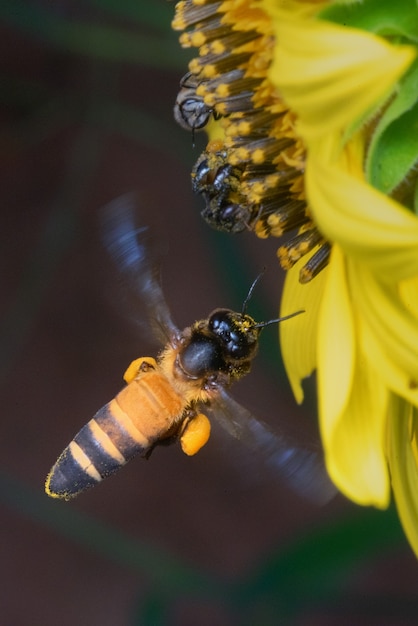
<point x="87" y="90"/>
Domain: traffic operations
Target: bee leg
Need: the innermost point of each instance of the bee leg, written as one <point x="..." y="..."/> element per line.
<point x="169" y="438"/>
<point x="195" y="433"/>
<point x="139" y="366"/>
<point x="167" y="441"/>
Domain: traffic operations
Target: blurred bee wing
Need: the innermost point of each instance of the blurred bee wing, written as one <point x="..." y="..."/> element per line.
<point x="301" y="468"/>
<point x="131" y="251"/>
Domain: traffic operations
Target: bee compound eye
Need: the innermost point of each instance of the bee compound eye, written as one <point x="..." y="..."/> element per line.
<point x="219" y="321"/>
<point x="236" y="334"/>
<point x="225" y="328"/>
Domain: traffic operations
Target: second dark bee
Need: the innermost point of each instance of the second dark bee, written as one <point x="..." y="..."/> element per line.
<point x="190" y="110"/>
<point x="218" y="182"/>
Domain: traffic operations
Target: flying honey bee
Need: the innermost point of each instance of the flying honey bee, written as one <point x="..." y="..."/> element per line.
<point x="165" y="399"/>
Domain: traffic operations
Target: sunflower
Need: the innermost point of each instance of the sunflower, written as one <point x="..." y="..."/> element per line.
<point x="317" y="106"/>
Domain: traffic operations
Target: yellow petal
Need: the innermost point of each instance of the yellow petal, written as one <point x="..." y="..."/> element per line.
<point x="298" y="338"/>
<point x="355" y="452"/>
<point x="367" y="225"/>
<point x="395" y="378"/>
<point x="331" y="75"/>
<point x="335" y="347"/>
<point x="403" y="466"/>
<point x="408" y="292"/>
<point x="394" y="326"/>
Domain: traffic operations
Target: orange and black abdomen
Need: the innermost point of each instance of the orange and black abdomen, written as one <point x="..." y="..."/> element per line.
<point x="141" y="414"/>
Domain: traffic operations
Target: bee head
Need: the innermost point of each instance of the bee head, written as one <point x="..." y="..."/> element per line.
<point x="224" y="342"/>
<point x="237" y="334"/>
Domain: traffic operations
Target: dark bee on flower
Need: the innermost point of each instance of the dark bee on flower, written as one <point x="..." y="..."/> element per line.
<point x="219" y="182"/>
<point x="190" y="110"/>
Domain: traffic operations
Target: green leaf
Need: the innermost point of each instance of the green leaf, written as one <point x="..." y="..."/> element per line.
<point x="382" y="17"/>
<point x="393" y="150"/>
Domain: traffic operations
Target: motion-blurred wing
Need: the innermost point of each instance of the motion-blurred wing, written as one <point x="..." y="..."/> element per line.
<point x="301" y="468"/>
<point x="130" y="249"/>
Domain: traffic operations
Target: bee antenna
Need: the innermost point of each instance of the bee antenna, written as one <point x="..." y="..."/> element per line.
<point x="250" y="292"/>
<point x="278" y="319"/>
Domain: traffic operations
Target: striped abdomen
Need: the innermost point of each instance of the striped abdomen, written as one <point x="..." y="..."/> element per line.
<point x="141" y="414"/>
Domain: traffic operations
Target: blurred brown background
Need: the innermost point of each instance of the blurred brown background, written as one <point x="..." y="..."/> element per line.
<point x="86" y="115"/>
